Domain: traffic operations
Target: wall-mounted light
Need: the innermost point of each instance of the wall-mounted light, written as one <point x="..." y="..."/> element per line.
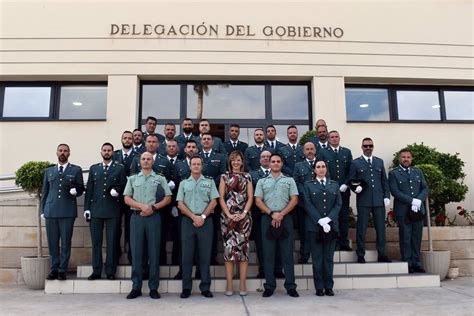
<point x="436" y="106"/>
<point x="77" y="103"/>
<point x="365" y="105"/>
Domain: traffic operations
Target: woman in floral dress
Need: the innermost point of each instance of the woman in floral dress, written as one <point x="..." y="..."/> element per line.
<point x="236" y="198"/>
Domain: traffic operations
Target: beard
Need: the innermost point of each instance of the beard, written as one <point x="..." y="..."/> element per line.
<point x="187" y="130"/>
<point x="62" y="158"/>
<point x="126" y="146"/>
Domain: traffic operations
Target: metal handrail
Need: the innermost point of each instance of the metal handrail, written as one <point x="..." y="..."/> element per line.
<point x="15" y="188"/>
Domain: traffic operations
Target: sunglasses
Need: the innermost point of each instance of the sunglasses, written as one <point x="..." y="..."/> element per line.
<point x="368" y="146"/>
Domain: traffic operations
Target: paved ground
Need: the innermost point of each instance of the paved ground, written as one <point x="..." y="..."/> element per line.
<point x="452" y="298"/>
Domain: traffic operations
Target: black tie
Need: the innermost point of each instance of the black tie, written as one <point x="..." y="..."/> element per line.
<point x="323" y="145"/>
<point x="335" y="150"/>
<point x="61" y="169"/>
<point x="293" y="146"/>
<point x="267" y="173"/>
<point x="407" y="171"/>
<point x="369" y="161"/>
<point x="260" y="148"/>
<point x="311" y="163"/>
<point x="125" y="156"/>
<point x="172" y="161"/>
<point x="207" y="155"/>
<point x="272" y="146"/>
<point x="322" y="183"/>
<point x="106" y="167"/>
<point x="234" y="144"/>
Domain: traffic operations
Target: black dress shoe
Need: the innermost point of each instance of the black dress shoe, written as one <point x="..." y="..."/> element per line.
<point x="279" y="275"/>
<point x="134" y="294"/>
<point x="319" y="292"/>
<point x="345" y="248"/>
<point x="360" y="259"/>
<point x="383" y="259"/>
<point x="179" y="275"/>
<point x="110" y="277"/>
<point x="53" y="275"/>
<point x="207" y="294"/>
<point x="94" y="276"/>
<point x="62" y="276"/>
<point x="154" y="294"/>
<point x="293" y="293"/>
<point x="185" y="293"/>
<point x="329" y="292"/>
<point x="267" y="293"/>
<point x="419" y="270"/>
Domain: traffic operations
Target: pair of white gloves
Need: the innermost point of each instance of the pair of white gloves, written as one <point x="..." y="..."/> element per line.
<point x="358" y="189"/>
<point x="415" y="205"/>
<point x="324" y="223"/>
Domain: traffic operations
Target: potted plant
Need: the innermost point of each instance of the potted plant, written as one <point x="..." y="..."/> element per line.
<point x="34" y="268"/>
<point x="444" y="176"/>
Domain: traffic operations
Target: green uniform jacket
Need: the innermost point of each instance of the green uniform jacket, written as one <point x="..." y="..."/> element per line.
<point x="339" y="164"/>
<point x="98" y="199"/>
<point x="214" y="166"/>
<point x="56" y="202"/>
<point x="241" y="146"/>
<point x="290" y="158"/>
<point x="252" y="157"/>
<point x="302" y="173"/>
<point x="321" y="202"/>
<point x="161" y="166"/>
<point x="127" y="163"/>
<point x="406" y="187"/>
<point x="377" y="183"/>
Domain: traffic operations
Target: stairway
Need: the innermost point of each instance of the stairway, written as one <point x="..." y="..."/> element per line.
<point x="348" y="274"/>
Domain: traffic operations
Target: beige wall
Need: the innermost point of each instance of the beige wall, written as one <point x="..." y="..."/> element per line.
<point x="423" y="42"/>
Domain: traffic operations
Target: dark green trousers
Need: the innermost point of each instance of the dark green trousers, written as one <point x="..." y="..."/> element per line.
<point x="322" y="255"/>
<point x="344" y="220"/>
<point x="203" y="236"/>
<point x="145" y="228"/>
<point x="59" y="232"/>
<point x="112" y="233"/>
<point x="410" y="235"/>
<point x="378" y="214"/>
<point x="301" y="217"/>
<point x="286" y="250"/>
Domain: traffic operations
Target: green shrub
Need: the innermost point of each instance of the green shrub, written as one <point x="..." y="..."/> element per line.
<point x="305" y="136"/>
<point x="30" y="176"/>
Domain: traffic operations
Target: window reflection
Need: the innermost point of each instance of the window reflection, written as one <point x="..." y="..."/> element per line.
<point x="418" y="105"/>
<point x="367" y="104"/>
<point x="27" y="102"/>
<point x="225" y="101"/>
<point x="459" y="105"/>
<point x="161" y="101"/>
<point x="290" y="102"/>
<point x="83" y="102"/>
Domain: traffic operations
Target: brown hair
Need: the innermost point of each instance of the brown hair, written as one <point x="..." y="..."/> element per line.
<point x="232" y="156"/>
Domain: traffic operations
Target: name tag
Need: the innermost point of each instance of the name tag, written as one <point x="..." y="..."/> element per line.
<point x="205" y="185"/>
<point x="156" y="182"/>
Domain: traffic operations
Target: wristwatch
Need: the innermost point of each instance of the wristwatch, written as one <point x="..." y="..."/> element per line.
<point x="203" y="216"/>
<point x="154" y="209"/>
<point x="245" y="211"/>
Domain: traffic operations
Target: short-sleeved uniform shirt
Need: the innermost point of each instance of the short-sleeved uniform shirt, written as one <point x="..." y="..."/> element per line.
<point x="196" y="195"/>
<point x="276" y="192"/>
<point x="143" y="188"/>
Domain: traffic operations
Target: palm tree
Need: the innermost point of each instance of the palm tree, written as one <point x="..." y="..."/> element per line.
<point x="200" y="89"/>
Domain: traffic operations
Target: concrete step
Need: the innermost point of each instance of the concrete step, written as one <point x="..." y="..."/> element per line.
<point x="339" y="256"/>
<point x="306" y="270"/>
<point x="348" y="282"/>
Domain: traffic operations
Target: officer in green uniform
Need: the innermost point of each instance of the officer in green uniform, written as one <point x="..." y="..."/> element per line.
<point x="304" y="171"/>
<point x="150" y="127"/>
<point x="272" y="143"/>
<point x="196" y="200"/>
<point x="322" y="203"/>
<point x="138" y="145"/>
<point x="161" y="165"/>
<point x="102" y="207"/>
<point x="276" y="196"/>
<point x="140" y="194"/>
<point x="252" y="153"/>
<point x="338" y="160"/>
<point x="217" y="144"/>
<point x="409" y="189"/>
<point x="373" y="199"/>
<point x="62" y="184"/>
<point x="234" y="143"/>
<point x="291" y="153"/>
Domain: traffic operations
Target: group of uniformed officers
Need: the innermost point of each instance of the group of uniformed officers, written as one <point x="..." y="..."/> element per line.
<point x="165" y="187"/>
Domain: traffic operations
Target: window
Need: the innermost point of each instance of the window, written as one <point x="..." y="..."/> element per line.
<point x="290" y="102"/>
<point x="53" y="101"/>
<point x="367" y="104"/>
<point x="409" y="104"/>
<point x="459" y="105"/>
<point x="418" y="105"/>
<point x="161" y="101"/>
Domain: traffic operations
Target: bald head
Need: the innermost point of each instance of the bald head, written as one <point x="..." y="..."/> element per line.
<point x="309" y="150"/>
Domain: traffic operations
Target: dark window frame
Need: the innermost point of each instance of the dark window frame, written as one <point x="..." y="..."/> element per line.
<point x="393" y="105"/>
<point x="54" y="100"/>
<point x="242" y="122"/>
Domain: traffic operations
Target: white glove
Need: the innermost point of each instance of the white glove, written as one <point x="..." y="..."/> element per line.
<point x="73" y="191"/>
<point x="42" y="217"/>
<point x="87" y="214"/>
<point x="327" y="228"/>
<point x="416" y="202"/>
<point x="114" y="193"/>
<point x="358" y="189"/>
<point x="386" y="202"/>
<point x="414" y="208"/>
<point x="174" y="211"/>
<point x="324" y="221"/>
<point x="171" y="185"/>
<point x="343" y="188"/>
